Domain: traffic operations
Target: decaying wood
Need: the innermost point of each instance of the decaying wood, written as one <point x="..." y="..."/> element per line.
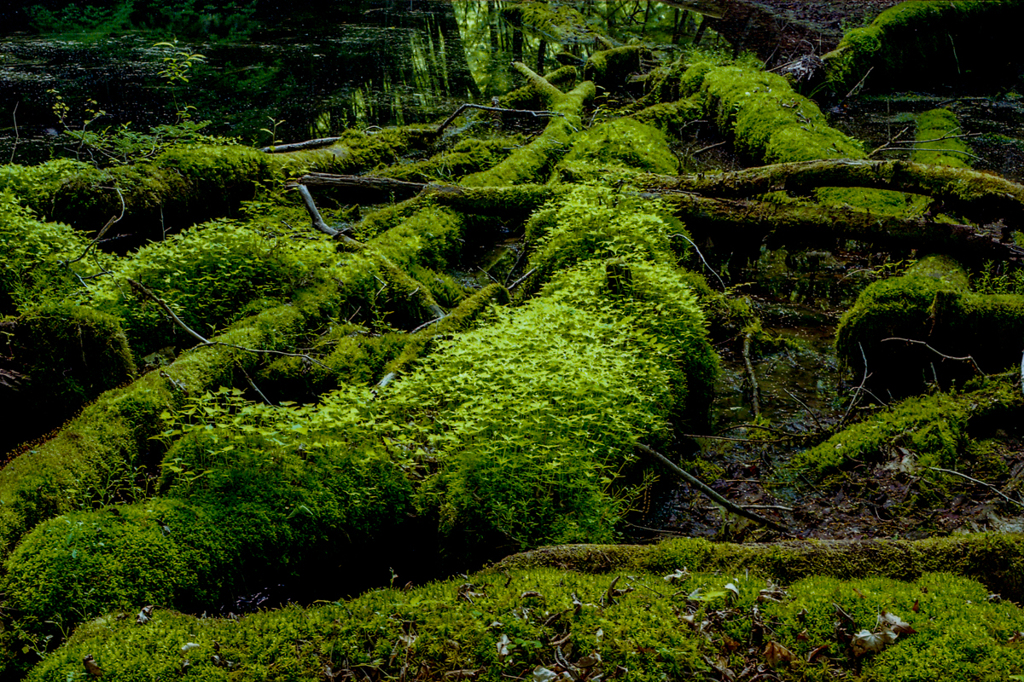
<point x="400" y="188"/>
<point x="710" y="492"/>
<point x="318" y="220"/>
<point x="300" y="146"/>
<point x="521" y="112"/>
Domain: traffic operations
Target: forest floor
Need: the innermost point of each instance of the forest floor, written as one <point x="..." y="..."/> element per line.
<point x="800" y="298"/>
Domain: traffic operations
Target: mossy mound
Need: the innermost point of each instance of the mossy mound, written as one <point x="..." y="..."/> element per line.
<point x="928" y="431"/>
<point x="930" y="305"/>
<point x="939" y="141"/>
<point x="646" y="618"/>
<point x="567" y="392"/>
<point x="924" y="42"/>
<point x="622" y="144"/>
<point x="240" y="511"/>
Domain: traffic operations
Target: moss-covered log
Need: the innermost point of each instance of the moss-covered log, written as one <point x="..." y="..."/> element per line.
<point x="593" y="610"/>
<point x="983" y="197"/>
<point x="928" y="42"/>
<point x="931" y="307"/>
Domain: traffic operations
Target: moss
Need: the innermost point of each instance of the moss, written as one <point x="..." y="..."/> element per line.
<point x="466" y="156"/>
<point x="926" y="42"/>
<point x="611" y="68"/>
<point x="527" y="97"/>
<point x="671" y="117"/>
<point x="357" y="151"/>
<point x="251" y="513"/>
<point x="929" y="304"/>
<point x="934" y="430"/>
<point x="623" y="143"/>
<point x="532" y="462"/>
<point x="932" y="126"/>
<point x="93" y="458"/>
<point x="568" y="597"/>
<point x="534" y="161"/>
<point x="768" y="121"/>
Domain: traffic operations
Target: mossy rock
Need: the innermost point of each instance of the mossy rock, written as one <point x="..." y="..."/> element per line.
<point x="928" y="41"/>
<point x="932" y="305"/>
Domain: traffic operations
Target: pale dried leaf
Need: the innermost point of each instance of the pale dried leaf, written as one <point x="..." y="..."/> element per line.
<point x="502" y="645"/>
<point x="678" y="575"/>
<point x="542" y="674"/>
<point x="893" y="622"/>
<point x="732" y="588"/>
<point x="867" y="642"/>
<point x="776" y="653"/>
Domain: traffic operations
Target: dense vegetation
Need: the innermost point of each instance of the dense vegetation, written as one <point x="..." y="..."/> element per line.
<point x="287" y="372"/>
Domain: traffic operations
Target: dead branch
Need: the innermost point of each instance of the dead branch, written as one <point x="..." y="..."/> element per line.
<point x="709" y="492"/>
<point x="520" y="112"/>
<point x="991" y="487"/>
<point x="966" y="358"/>
<point x="299" y="146"/>
<point x="755" y="402"/>
<point x="141" y="289"/>
<point x="400" y="188"/>
<point x="103" y="231"/>
<point x="318" y="221"/>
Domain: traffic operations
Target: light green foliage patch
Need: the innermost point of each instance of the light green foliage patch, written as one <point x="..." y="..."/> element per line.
<point x="467" y="156"/>
<point x="207" y="275"/>
<point x="937" y="141"/>
<point x="529" y="419"/>
<point x="626" y="144"/>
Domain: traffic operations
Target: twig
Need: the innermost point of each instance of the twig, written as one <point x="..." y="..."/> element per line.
<point x="859" y="391"/>
<point x="17" y="137"/>
<point x="299" y="146"/>
<point x="203" y="341"/>
<point x="804" y="405"/>
<point x="974" y="480"/>
<point x="966" y="358"/>
<point x="709" y="492"/>
<point x="255" y="388"/>
<point x="427" y="324"/>
<point x="710" y="146"/>
<point x="521" y="279"/>
<point x="770" y="430"/>
<point x="859" y="84"/>
<point x="732" y="440"/>
<point x="755" y="403"/>
<point x="523" y="112"/>
<point x="704" y="260"/>
<point x="318" y="221"/>
<point x="103" y="231"/>
<point x="768" y="506"/>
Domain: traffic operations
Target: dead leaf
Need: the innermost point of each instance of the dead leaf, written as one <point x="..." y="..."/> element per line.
<point x="90" y="666"/>
<point x="916" y="606"/>
<point x="802" y="636"/>
<point x="730" y="645"/>
<point x="1017" y="637"/>
<point x="858" y="592"/>
<point x="531" y="593"/>
<point x="867" y="642"/>
<point x="893" y="622"/>
<point x="776" y="653"/>
<point x="502" y="645"/>
<point x="820" y="652"/>
<point x="589" y="661"/>
<point x="144" y="615"/>
<point x="542" y="674"/>
<point x="732" y="588"/>
<point x="771" y="593"/>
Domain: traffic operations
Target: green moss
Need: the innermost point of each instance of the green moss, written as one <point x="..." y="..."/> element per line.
<point x="252" y="512"/>
<point x="532" y="463"/>
<point x="357" y="151"/>
<point x="623" y="143"/>
<point x="611" y="68"/>
<point x="929" y="304"/>
<point x="509" y="620"/>
<point x="670" y="117"/>
<point x="933" y="430"/>
<point x="466" y="156"/>
<point x="932" y="126"/>
<point x="926" y="42"/>
<point x="766" y="118"/>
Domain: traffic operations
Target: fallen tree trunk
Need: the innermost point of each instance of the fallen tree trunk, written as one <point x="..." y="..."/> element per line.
<point x="746" y="223"/>
<point x="980" y="196"/>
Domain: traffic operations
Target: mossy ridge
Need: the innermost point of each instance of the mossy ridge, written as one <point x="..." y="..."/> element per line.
<point x="459" y="624"/>
<point x="465" y="157"/>
<point x="930" y="303"/>
<point x="621" y="144"/>
<point x="94" y="456"/>
<point x="356" y="151"/>
<point x="932" y="127"/>
<point x="768" y="121"/>
<point x="258" y="512"/>
<point x="934" y="430"/>
<point x="926" y="41"/>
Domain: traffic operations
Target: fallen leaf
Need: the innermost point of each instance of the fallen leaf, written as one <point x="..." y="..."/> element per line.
<point x="867" y="642"/>
<point x="732" y="588"/>
<point x="589" y="661"/>
<point x="144" y="615"/>
<point x="502" y="645"/>
<point x="776" y="653"/>
<point x="802" y="636"/>
<point x="542" y="674"/>
<point x="189" y="646"/>
<point x="915" y="607"/>
<point x="90" y="666"/>
<point x="858" y="592"/>
<point x="820" y="652"/>
<point x="893" y="622"/>
<point x="531" y="593"/>
<point x="1017" y="637"/>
